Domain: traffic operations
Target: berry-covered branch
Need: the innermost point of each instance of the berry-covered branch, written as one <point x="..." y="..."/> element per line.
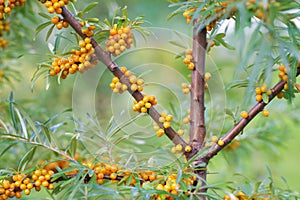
<point x="247" y="117"/>
<point x="105" y="58"/>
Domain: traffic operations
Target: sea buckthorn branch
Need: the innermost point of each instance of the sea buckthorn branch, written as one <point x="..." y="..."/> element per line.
<point x="256" y="109"/>
<point x="197" y="108"/>
<point x="106" y="59"/>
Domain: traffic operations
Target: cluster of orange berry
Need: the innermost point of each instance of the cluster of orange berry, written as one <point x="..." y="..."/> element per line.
<point x="119" y="40"/>
<point x="117" y="86"/>
<point x="144" y="104"/>
<point x="55" y="6"/>
<point x="171" y="186"/>
<point x="21" y="183"/>
<point x="4" y="26"/>
<point x="188" y="60"/>
<point x="185" y="88"/>
<point x="136" y="84"/>
<point x="260" y="91"/>
<point x="59" y="23"/>
<point x="283" y="76"/>
<point x="187" y="14"/>
<point x="7" y="6"/>
<point x="87" y="29"/>
<point x="165" y="119"/>
<point x="80" y="60"/>
<point x="257" y="8"/>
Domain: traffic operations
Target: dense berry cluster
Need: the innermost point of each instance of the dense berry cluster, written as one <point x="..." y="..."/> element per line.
<point x="117" y="86"/>
<point x="172" y="186"/>
<point x="19" y="183"/>
<point x="7" y="6"/>
<point x="188" y="60"/>
<point x="80" y="60"/>
<point x="55" y="6"/>
<point x="136" y="84"/>
<point x="260" y="91"/>
<point x="119" y="40"/>
<point x="144" y="104"/>
<point x="187" y="14"/>
<point x="165" y="119"/>
<point x="59" y="23"/>
<point x="283" y="76"/>
<point x="4" y="26"/>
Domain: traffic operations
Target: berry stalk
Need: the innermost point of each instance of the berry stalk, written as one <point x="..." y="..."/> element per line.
<point x="105" y="58"/>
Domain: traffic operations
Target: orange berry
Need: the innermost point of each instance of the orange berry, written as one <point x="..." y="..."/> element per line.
<point x="191" y="66"/>
<point x="279" y="95"/>
<point x="258" y="98"/>
<point x="258" y="91"/>
<point x="265" y="113"/>
<point x="244" y="114"/>
<point x="113" y="32"/>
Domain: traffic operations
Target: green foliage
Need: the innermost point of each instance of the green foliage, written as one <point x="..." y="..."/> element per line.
<point x="269" y="37"/>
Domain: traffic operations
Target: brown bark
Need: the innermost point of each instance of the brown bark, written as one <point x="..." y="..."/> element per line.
<point x="197" y="107"/>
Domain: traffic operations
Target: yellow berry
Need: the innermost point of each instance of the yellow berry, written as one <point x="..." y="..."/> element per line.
<point x="220" y="142"/>
<point x="214" y="138"/>
<point x="188" y="148"/>
<point x="180" y="132"/>
<point x="178" y="147"/>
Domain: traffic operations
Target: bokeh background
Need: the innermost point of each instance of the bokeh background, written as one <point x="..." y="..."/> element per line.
<point x="165" y="73"/>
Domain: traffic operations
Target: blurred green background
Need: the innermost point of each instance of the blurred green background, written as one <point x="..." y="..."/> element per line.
<point x="251" y="161"/>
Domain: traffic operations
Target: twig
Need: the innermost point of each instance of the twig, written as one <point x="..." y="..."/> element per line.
<point x="105" y="58"/>
<point x="256" y="109"/>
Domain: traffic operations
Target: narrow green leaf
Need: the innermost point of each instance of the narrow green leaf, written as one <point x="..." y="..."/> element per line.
<point x="7" y="148"/>
<point x="41" y="27"/>
<point x="26" y="159"/>
<point x="89" y="7"/>
<point x="44" y="15"/>
<point x="12" y="112"/>
<point x="49" y="32"/>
